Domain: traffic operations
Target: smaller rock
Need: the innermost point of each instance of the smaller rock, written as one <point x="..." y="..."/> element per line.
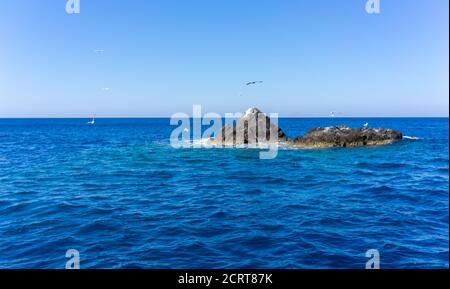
<point x="344" y="136"/>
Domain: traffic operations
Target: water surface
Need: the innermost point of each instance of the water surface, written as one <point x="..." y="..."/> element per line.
<point x="122" y="196"/>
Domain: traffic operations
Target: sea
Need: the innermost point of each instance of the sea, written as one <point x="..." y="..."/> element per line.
<point x="121" y="196"/>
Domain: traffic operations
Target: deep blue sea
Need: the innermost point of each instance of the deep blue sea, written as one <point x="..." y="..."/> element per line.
<point x="124" y="198"/>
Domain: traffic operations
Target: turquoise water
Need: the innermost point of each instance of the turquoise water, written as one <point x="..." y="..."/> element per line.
<point x="122" y="196"/>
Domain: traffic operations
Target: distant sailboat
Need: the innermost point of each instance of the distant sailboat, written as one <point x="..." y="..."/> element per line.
<point x="92" y="122"/>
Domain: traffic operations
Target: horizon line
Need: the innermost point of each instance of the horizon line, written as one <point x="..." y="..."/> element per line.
<point x="168" y="117"/>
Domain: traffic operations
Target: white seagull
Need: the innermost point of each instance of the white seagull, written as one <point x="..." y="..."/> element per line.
<point x="254" y="82"/>
<point x="366" y="125"/>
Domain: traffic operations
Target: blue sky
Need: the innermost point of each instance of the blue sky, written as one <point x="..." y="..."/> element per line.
<point x="161" y="57"/>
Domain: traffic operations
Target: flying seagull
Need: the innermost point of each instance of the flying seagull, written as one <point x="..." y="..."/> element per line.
<point x="366" y="125"/>
<point x="254" y="82"/>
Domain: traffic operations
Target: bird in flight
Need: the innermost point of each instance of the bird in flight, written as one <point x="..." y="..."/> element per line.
<point x="253" y="82"/>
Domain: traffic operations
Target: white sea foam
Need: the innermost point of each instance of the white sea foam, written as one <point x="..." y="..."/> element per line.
<point x="202" y="141"/>
<point x="206" y="143"/>
<point x="411" y="137"/>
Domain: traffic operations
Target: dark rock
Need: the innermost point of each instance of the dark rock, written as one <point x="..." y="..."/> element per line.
<point x="256" y="128"/>
<point x="253" y="128"/>
<point x="345" y="136"/>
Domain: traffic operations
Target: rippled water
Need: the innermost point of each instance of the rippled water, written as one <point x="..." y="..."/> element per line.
<point x="123" y="197"/>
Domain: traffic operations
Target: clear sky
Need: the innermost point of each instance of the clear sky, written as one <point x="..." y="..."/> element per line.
<point x="163" y="56"/>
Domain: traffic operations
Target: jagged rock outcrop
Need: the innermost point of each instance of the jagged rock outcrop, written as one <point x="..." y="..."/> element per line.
<point x="252" y="129"/>
<point x="256" y="128"/>
<point x="344" y="136"/>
